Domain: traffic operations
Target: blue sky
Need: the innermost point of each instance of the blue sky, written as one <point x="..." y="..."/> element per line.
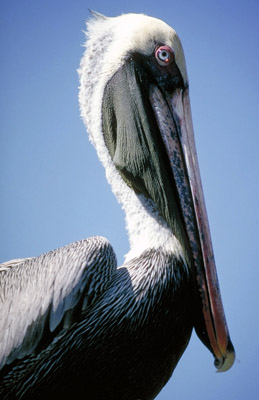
<point x="53" y="188"/>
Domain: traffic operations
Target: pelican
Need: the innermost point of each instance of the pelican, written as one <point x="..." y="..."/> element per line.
<point x="72" y="322"/>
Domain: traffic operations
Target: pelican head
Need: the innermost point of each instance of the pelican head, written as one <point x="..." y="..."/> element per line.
<point x="139" y="120"/>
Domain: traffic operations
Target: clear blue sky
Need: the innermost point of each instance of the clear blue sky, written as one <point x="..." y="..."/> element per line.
<point x="53" y="188"/>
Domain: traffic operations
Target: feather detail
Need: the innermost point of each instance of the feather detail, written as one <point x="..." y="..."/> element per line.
<point x="52" y="290"/>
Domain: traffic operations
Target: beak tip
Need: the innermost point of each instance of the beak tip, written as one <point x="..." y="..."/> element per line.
<point x="226" y="361"/>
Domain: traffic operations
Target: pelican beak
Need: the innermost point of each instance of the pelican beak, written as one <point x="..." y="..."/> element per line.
<point x="175" y="125"/>
<point x="148" y="131"/>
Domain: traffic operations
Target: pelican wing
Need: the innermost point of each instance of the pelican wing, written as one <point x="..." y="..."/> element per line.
<point x="41" y="296"/>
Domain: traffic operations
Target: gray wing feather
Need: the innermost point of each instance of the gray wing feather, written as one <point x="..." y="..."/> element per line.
<point x="42" y="294"/>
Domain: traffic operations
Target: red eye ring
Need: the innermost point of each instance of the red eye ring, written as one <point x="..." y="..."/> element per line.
<point x="164" y="55"/>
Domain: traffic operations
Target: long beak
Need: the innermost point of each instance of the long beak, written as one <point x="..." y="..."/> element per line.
<point x="135" y="115"/>
<point x="178" y="138"/>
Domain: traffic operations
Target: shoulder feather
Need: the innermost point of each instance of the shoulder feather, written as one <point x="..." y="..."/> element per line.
<point x="41" y="296"/>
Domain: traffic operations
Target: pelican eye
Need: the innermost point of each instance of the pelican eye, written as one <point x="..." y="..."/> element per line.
<point x="164" y="55"/>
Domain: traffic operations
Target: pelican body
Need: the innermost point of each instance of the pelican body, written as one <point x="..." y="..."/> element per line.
<point x="72" y="322"/>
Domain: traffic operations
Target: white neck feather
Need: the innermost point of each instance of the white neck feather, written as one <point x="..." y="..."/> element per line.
<point x="146" y="228"/>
